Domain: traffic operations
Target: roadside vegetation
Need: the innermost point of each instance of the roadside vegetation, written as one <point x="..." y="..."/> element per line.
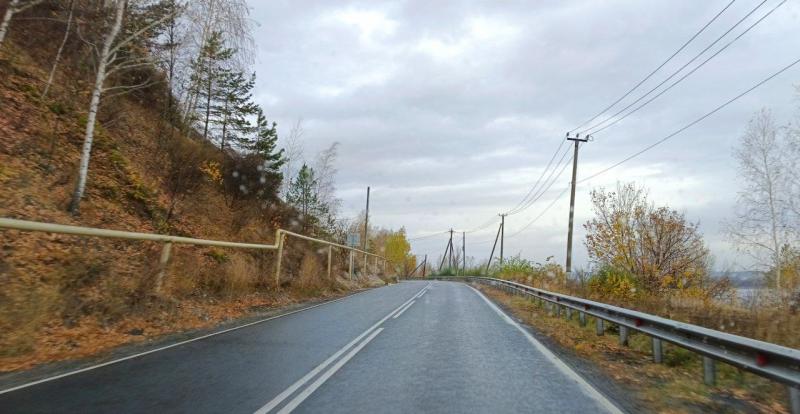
<point x="651" y="258"/>
<point x="139" y="115"/>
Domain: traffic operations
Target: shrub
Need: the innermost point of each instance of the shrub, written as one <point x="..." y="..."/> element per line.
<point x="609" y="282"/>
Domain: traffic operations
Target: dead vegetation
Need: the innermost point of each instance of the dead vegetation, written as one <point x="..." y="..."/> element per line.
<point x="67" y="297"/>
<point x="676" y="386"/>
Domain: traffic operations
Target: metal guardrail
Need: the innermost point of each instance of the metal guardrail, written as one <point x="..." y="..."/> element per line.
<point x="765" y="359"/>
<point x="166" y="251"/>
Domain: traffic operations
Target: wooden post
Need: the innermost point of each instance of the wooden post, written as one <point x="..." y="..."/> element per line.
<point x="351" y="265"/>
<point x="166" y="252"/>
<point x="330" y="256"/>
<point x="281" y="238"/>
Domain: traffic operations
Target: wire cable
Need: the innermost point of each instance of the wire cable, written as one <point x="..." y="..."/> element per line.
<point x="551" y="178"/>
<point x="646" y="78"/>
<point x="538" y="181"/>
<point x="684" y="76"/>
<point x="427" y="236"/>
<point x="691" y="124"/>
<point x="549" y="206"/>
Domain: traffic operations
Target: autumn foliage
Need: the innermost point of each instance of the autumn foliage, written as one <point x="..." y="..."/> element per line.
<point x="641" y="246"/>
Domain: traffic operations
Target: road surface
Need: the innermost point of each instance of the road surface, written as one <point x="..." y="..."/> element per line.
<point x="411" y="347"/>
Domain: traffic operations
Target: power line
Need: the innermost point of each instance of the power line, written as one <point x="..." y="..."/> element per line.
<point x="549" y="206"/>
<point x="691" y="124"/>
<point x="684" y="76"/>
<point x="427" y="236"/>
<point x="550" y="178"/>
<point x="646" y="78"/>
<point x="536" y="184"/>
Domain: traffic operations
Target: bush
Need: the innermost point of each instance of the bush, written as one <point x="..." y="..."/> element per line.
<point x="528" y="272"/>
<point x="609" y="282"/>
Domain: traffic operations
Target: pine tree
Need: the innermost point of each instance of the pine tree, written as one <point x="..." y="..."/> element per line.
<point x="265" y="143"/>
<point x="232" y="114"/>
<point x="303" y="196"/>
<point x="210" y="68"/>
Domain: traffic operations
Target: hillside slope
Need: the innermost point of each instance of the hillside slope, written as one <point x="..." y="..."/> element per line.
<point x="67" y="297"/>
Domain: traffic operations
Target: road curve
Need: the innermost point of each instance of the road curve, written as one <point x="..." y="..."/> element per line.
<point x="411" y="347"/>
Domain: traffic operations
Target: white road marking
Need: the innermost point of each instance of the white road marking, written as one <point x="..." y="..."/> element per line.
<point x="311" y="374"/>
<point x="78" y="371"/>
<point x="587" y="388"/>
<point x="403" y="310"/>
<point x="423" y="294"/>
<point x="288" y="408"/>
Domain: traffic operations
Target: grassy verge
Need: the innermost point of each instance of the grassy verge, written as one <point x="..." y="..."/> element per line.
<point x="676" y="386"/>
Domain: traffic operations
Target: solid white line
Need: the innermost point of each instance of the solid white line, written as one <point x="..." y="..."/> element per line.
<point x="403" y="310"/>
<point x="78" y="371"/>
<point x="324" y="377"/>
<point x="423" y="294"/>
<point x="587" y="388"/>
<point x="311" y="374"/>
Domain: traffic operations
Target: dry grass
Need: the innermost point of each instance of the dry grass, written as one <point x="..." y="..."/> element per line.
<point x="676" y="386"/>
<point x="68" y="297"/>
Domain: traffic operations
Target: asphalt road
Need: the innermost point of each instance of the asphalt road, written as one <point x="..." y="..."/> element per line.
<point x="411" y="347"/>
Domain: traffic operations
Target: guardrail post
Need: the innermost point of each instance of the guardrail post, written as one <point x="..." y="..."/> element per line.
<point x="658" y="354"/>
<point x="582" y="318"/>
<point x="330" y="257"/>
<point x="351" y="265"/>
<point x="598" y="326"/>
<point x="281" y="238"/>
<point x="623" y="335"/>
<point x="162" y="265"/>
<point x="794" y="400"/>
<point x="709" y="371"/>
<point x="569" y="314"/>
<point x="558" y="311"/>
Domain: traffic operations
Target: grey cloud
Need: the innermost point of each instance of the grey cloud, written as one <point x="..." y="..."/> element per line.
<point x="450" y="109"/>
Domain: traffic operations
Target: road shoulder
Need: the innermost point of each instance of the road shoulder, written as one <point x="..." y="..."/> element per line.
<point x="16" y="379"/>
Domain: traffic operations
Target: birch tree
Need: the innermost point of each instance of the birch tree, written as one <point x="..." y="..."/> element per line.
<point x="14" y="7"/>
<point x="67" y="31"/>
<point x="764" y="227"/>
<point x="206" y="18"/>
<point x="112" y="57"/>
<point x="293" y="155"/>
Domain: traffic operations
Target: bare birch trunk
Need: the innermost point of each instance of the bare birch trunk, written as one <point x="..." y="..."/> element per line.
<point x="12" y="8"/>
<point x="83" y="171"/>
<point x="60" y="50"/>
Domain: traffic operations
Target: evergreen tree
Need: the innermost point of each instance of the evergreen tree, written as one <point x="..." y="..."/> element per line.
<point x="210" y="68"/>
<point x="303" y="196"/>
<point x="265" y="143"/>
<point x="233" y="112"/>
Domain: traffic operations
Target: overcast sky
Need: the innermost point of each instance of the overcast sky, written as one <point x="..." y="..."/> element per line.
<point x="451" y="110"/>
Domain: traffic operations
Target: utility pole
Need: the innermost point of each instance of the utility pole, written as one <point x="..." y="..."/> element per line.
<point x="491" y="255"/>
<point x="450" y="260"/>
<point x="366" y="222"/>
<point x="463" y="252"/>
<point x="577" y="139"/>
<point x="424" y="266"/>
<point x="446" y="251"/>
<point x="502" y="235"/>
